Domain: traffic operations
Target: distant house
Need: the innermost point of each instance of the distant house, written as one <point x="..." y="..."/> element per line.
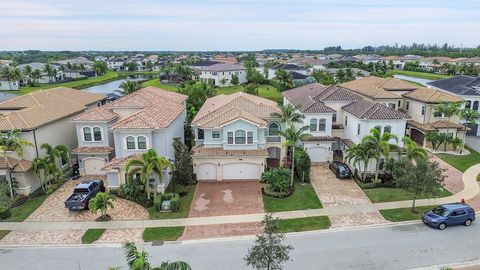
<point x="464" y="87"/>
<point x="116" y="63"/>
<point x="317" y="64"/>
<point x="287" y="67"/>
<point x="221" y="74"/>
<point x="45" y="78"/>
<point x="359" y="73"/>
<point x="399" y="62"/>
<point x="76" y="61"/>
<point x="111" y="135"/>
<point x="42" y="116"/>
<point x="7" y="85"/>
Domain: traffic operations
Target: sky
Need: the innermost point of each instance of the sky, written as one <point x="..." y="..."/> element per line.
<point x="195" y="25"/>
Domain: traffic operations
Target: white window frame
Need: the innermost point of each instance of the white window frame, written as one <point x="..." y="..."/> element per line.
<point x="234" y="133"/>
<point x="83" y="134"/>
<point x="93" y="134"/>
<point x="279" y="129"/>
<point x="315" y="122"/>
<point x="134" y="143"/>
<point x="138" y="143"/>
<point x="219" y="135"/>
<point x="324" y="125"/>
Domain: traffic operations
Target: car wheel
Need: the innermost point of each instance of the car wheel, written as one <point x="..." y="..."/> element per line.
<point x="468" y="222"/>
<point x="442" y="226"/>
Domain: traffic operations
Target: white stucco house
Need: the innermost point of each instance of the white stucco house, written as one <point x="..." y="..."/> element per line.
<point x="121" y="130"/>
<point x="236" y="138"/>
<point x="221" y="74"/>
<point x="8" y="85"/>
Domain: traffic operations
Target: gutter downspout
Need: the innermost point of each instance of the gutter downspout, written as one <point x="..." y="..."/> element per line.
<point x="35" y="141"/>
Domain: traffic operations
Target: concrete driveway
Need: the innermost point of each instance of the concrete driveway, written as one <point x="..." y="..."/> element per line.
<point x="334" y="192"/>
<point x="473" y="142"/>
<point x="225" y="198"/>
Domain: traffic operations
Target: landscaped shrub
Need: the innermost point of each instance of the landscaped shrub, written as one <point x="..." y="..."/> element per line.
<point x="5" y="212"/>
<point x="174" y="199"/>
<point x="157" y="203"/>
<point x="183" y="172"/>
<point x="269" y="192"/>
<point x="302" y="165"/>
<point x="278" y="182"/>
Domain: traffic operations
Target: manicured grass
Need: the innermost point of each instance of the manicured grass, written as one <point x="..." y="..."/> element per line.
<point x="162" y="233"/>
<point x="80" y="84"/>
<point x="156" y="83"/>
<point x="20" y="213"/>
<point x="462" y="163"/>
<point x="304" y="197"/>
<point x="377" y="195"/>
<point x="265" y="91"/>
<point x="185" y="203"/>
<point x="303" y="224"/>
<point x="405" y="214"/>
<point x="422" y="75"/>
<point x="3" y="233"/>
<point x="92" y="235"/>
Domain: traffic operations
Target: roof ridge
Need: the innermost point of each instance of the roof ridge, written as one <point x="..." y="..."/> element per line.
<point x="368" y="110"/>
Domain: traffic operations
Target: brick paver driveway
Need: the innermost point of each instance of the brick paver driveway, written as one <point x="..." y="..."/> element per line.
<point x="225" y="198"/>
<point x="334" y="192"/>
<point x="53" y="209"/>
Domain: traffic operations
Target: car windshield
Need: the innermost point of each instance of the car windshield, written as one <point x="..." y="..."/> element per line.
<point x="81" y="190"/>
<point x="341" y="169"/>
<point x="441" y="211"/>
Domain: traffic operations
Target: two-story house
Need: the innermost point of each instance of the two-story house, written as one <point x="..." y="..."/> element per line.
<point x="42" y="117"/>
<point x="321" y="105"/>
<point x="116" y="132"/>
<point x="420" y="106"/>
<point x="465" y="87"/>
<point x="236" y="138"/>
<point x="222" y="74"/>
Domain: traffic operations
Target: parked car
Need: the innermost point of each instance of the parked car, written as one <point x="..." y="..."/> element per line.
<point x="82" y="194"/>
<point x="341" y="170"/>
<point x="449" y="214"/>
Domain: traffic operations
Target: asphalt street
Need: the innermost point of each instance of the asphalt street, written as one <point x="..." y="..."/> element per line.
<point x="386" y="247"/>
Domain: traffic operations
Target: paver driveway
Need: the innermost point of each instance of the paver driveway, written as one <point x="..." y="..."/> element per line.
<point x="225" y="198"/>
<point x="334" y="192"/>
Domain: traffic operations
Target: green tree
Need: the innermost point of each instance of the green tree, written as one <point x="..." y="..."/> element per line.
<point x="360" y="154"/>
<point x="323" y="77"/>
<point x="269" y="252"/>
<point x="7" y="74"/>
<point x="292" y="136"/>
<point x="16" y="75"/>
<point x="50" y="71"/>
<point x="102" y="201"/>
<point x="382" y="146"/>
<point x="251" y="88"/>
<point x="149" y="65"/>
<point x="254" y="76"/>
<point x="131" y="66"/>
<point x="422" y="178"/>
<point x="128" y="87"/>
<point x="435" y="139"/>
<point x="412" y="151"/>
<point x="448" y="109"/>
<point x="36" y="75"/>
<point x="39" y="165"/>
<point x="183" y="163"/>
<point x="289" y="114"/>
<point x="283" y="80"/>
<point x="302" y="164"/>
<point x="235" y="80"/>
<point x="138" y="260"/>
<point x="58" y="152"/>
<point x="148" y="165"/>
<point x="100" y="67"/>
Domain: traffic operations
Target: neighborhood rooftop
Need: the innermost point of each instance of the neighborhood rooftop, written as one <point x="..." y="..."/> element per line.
<point x="364" y="109"/>
<point x="459" y="85"/>
<point x="223" y="67"/>
<point x="431" y="96"/>
<point x="378" y="88"/>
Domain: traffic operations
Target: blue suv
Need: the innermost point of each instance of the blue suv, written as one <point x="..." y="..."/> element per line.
<point x="448" y="215"/>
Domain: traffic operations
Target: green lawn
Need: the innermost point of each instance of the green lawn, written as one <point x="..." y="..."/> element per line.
<point x="377" y="195"/>
<point x="303" y="224"/>
<point x="462" y="163"/>
<point x="422" y="75"/>
<point x="162" y="233"/>
<point x="92" y="235"/>
<point x="304" y="197"/>
<point x="3" y="233"/>
<point x="185" y="203"/>
<point x="156" y="83"/>
<point x="80" y="84"/>
<point x="20" y="213"/>
<point x="478" y="177"/>
<point x="405" y="214"/>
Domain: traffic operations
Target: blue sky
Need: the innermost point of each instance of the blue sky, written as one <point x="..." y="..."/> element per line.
<point x="233" y="25"/>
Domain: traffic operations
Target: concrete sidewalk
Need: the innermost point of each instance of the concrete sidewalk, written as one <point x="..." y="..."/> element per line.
<point x="470" y="190"/>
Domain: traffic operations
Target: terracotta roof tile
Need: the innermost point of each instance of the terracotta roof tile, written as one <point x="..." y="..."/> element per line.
<point x="319" y="139"/>
<point x="118" y="163"/>
<point x="428" y="95"/>
<point x="200" y="151"/>
<point x="440" y="124"/>
<point x="378" y="88"/>
<point x="364" y="109"/>
<point x="93" y="149"/>
<point x="17" y="165"/>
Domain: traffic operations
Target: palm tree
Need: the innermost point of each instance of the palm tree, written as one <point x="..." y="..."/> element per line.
<point x="148" y="164"/>
<point x="448" y="109"/>
<point x="291" y="136"/>
<point x="7" y="74"/>
<point x="36" y="75"/>
<point x="129" y="87"/>
<point x="27" y="71"/>
<point x="48" y="70"/>
<point x="470" y="117"/>
<point x="16" y="75"/>
<point x="39" y="166"/>
<point x="360" y="153"/>
<point x="60" y="151"/>
<point x="412" y="151"/>
<point x="138" y="260"/>
<point x="10" y="141"/>
<point x="52" y="173"/>
<point x="289" y="114"/>
<point x="381" y="143"/>
<point x="102" y="201"/>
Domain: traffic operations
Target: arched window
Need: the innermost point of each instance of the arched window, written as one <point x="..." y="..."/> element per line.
<point x="313" y="124"/>
<point x="322" y="124"/>
<point x="87" y="134"/>
<point x="273" y="129"/>
<point x="130" y="142"/>
<point x="97" y="134"/>
<point x="141" y="142"/>
<point x="387" y="129"/>
<point x="240" y="137"/>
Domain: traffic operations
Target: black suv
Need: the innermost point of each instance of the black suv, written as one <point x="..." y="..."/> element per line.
<point x="341" y="170"/>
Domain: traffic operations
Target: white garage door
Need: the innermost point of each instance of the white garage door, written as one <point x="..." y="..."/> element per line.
<point x="207" y="171"/>
<point x="317" y="154"/>
<point x="93" y="166"/>
<point x="241" y="171"/>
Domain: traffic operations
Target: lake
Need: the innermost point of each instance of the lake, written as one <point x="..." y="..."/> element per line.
<point x="413" y="79"/>
<point x="112" y="86"/>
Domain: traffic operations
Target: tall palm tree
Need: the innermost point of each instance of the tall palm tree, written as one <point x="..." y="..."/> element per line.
<point x="60" y="151"/>
<point x="7" y="74"/>
<point x="11" y="141"/>
<point x="381" y="143"/>
<point x="148" y="164"/>
<point x="16" y="75"/>
<point x="361" y="153"/>
<point x="39" y="166"/>
<point x="289" y="114"/>
<point x="129" y="87"/>
<point x="48" y="70"/>
<point x="36" y="75"/>
<point x="27" y="71"/>
<point x="412" y="151"/>
<point x="52" y="173"/>
<point x="138" y="260"/>
<point x="448" y="109"/>
<point x="470" y="117"/>
<point x="292" y="136"/>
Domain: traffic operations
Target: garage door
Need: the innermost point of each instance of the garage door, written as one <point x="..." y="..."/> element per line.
<point x="241" y="171"/>
<point x="317" y="154"/>
<point x="207" y="171"/>
<point x="93" y="166"/>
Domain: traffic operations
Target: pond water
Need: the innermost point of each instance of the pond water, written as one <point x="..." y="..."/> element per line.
<point x="413" y="79"/>
<point x="112" y="86"/>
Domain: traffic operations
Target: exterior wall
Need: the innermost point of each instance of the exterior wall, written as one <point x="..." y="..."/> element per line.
<point x="220" y="161"/>
<point x="337" y="106"/>
<point x="27" y="182"/>
<point x="106" y="136"/>
<point x="121" y="150"/>
<point x="415" y="112"/>
<point x="240" y="124"/>
<point x="175" y="130"/>
<point x="317" y="117"/>
<point x="81" y="157"/>
<point x="218" y="76"/>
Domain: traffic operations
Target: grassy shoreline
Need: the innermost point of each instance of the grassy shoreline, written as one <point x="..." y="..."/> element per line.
<point x="416" y="74"/>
